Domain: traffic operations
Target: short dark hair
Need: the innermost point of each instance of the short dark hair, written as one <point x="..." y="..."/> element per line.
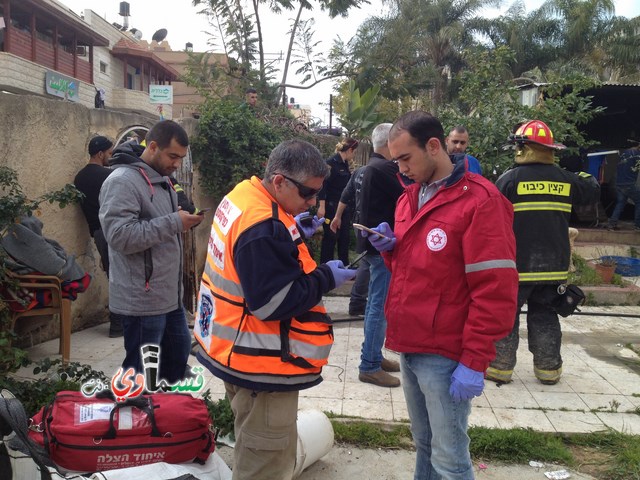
<point x="460" y="129"/>
<point x="163" y="132"/>
<point x="250" y="90"/>
<point x="420" y="125"/>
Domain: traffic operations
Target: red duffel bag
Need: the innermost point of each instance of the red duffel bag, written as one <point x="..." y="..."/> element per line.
<point x="95" y="434"/>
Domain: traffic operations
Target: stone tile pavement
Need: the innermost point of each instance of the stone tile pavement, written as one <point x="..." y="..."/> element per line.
<point x="599" y="389"/>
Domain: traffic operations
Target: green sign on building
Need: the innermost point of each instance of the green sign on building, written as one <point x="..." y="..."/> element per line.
<point x="62" y="86"/>
<point x="161" y="94"/>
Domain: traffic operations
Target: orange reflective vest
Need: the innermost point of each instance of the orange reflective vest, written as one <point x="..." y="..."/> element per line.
<point x="288" y="351"/>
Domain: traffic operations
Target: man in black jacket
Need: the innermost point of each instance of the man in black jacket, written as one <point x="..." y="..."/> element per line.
<point x="542" y="194"/>
<point x="89" y="181"/>
<point x="381" y="188"/>
<point x="350" y="201"/>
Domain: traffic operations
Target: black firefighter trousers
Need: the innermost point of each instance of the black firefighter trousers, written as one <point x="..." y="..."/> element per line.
<point x="544" y="336"/>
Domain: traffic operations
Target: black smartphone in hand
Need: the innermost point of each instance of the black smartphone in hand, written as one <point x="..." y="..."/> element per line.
<point x="202" y="211"/>
<point x="354" y="264"/>
<point x="306" y="221"/>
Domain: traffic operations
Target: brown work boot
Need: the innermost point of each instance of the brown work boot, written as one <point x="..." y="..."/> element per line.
<point x="379" y="378"/>
<point x="390" y="365"/>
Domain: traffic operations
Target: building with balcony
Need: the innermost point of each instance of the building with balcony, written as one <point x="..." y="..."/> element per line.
<point x="46" y="49"/>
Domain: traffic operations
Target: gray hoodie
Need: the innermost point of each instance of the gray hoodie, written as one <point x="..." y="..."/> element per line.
<point x="140" y="221"/>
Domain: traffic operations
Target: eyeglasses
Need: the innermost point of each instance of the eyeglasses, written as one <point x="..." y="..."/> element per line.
<point x="305" y="192"/>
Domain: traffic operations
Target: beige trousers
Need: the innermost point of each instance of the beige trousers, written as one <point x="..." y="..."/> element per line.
<point x="266" y="433"/>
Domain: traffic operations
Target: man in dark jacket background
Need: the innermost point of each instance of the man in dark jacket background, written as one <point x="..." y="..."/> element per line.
<point x="380" y="191"/>
<point x="350" y="202"/>
<point x="89" y="181"/>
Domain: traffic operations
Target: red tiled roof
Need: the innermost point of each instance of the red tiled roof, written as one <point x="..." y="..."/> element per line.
<point x="130" y="48"/>
<point x="128" y="43"/>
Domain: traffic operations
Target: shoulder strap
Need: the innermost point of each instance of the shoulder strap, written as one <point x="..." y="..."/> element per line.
<point x="14" y="418"/>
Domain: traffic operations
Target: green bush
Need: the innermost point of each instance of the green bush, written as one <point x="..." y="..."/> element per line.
<point x="233" y="143"/>
<point x="36" y="393"/>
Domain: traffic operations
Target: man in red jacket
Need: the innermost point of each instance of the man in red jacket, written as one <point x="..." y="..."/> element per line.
<point x="452" y="294"/>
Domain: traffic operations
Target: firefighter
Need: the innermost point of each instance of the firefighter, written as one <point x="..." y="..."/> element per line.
<point x="542" y="194"/>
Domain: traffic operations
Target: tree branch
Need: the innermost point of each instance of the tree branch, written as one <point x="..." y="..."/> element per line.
<point x="300" y="87"/>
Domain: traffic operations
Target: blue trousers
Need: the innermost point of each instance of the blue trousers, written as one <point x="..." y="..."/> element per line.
<point x="438" y="424"/>
<point x="375" y="323"/>
<point x="169" y="331"/>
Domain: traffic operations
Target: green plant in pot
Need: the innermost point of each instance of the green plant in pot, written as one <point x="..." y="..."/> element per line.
<point x="605" y="266"/>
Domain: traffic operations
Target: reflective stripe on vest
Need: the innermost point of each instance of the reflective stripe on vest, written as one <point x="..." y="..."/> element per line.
<point x="542" y="276"/>
<point x="531" y="206"/>
<point x="235" y="339"/>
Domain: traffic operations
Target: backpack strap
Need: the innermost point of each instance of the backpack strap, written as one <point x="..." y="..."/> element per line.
<point x="13" y="418"/>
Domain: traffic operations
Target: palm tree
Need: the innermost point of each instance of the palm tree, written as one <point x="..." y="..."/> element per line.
<point x="418" y="48"/>
<point x="534" y="38"/>
<point x="586" y="27"/>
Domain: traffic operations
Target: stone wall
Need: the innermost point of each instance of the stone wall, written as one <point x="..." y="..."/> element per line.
<point x="45" y="141"/>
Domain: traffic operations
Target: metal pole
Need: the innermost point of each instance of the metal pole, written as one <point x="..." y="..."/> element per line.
<point x="330" y="111"/>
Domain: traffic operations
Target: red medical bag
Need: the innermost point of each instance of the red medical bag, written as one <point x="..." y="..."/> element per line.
<point x="94" y="434"/>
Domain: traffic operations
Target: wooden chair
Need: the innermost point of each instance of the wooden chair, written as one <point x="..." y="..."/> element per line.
<point x="59" y="306"/>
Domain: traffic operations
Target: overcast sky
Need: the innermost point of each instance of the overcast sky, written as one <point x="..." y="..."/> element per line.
<point x="184" y="25"/>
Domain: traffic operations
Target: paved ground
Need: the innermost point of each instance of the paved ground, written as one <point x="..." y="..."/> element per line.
<point x="599" y="389"/>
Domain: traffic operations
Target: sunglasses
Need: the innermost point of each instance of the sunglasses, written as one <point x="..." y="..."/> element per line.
<point x="305" y="192"/>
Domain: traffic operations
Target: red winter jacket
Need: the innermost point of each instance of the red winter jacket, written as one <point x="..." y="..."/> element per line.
<point x="454" y="282"/>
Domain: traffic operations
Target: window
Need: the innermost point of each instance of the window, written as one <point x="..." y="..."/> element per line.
<point x="103" y="67"/>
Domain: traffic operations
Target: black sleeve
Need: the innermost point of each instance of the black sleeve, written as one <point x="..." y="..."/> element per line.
<point x="380" y="192"/>
<point x="586" y="188"/>
<point x="322" y="194"/>
<point x="349" y="193"/>
<point x="266" y="259"/>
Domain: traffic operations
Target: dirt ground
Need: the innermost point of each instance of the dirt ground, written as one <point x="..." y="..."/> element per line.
<point x="348" y="463"/>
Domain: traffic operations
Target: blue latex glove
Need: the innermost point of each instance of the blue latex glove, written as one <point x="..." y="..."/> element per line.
<point x="340" y="274"/>
<point x="380" y="243"/>
<point x="466" y="383"/>
<point x="308" y="225"/>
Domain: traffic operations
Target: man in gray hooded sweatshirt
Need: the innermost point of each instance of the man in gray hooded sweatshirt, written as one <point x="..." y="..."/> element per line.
<point x="142" y="224"/>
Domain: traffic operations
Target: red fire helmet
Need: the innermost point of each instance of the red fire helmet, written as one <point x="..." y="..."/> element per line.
<point x="536" y="131"/>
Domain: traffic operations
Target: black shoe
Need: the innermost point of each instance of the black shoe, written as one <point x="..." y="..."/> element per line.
<point x="356" y="312"/>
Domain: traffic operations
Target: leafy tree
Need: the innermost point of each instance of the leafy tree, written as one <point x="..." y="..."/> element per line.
<point x="240" y="35"/>
<point x="334" y="8"/>
<point x="415" y="50"/>
<point x="232" y="144"/>
<point x="534" y="38"/>
<point x="361" y="116"/>
<point x="489" y="106"/>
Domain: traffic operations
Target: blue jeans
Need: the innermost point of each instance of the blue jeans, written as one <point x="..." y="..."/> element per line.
<point x="375" y="323"/>
<point x="169" y="331"/>
<point x="360" y="288"/>
<point x="624" y="192"/>
<point x="438" y="424"/>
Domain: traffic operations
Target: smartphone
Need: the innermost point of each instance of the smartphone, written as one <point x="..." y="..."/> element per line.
<point x="367" y="229"/>
<point x="202" y="211"/>
<point x="306" y="221"/>
<point x="357" y="260"/>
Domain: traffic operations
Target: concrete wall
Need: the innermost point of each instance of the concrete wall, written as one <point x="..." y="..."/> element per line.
<point x="45" y="141"/>
<point x="20" y="75"/>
